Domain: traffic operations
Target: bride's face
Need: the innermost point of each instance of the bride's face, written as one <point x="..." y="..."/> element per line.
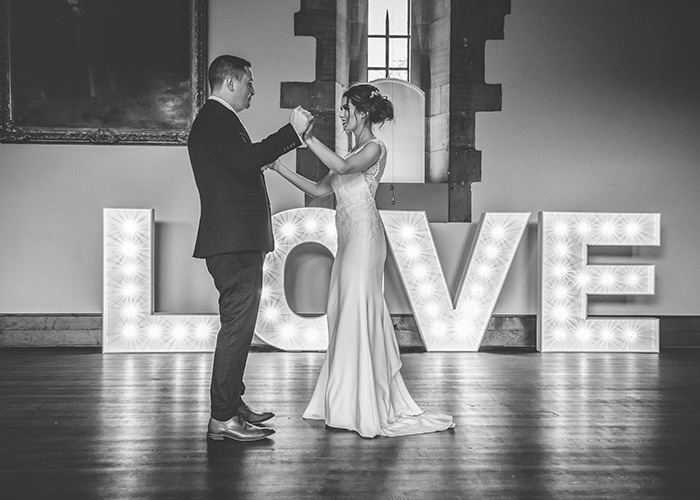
<point x="352" y="118"/>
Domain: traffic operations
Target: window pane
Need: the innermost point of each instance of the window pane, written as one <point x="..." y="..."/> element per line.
<point x="376" y="52"/>
<point x="399" y="48"/>
<point x="399" y="74"/>
<point x="398" y="16"/>
<point x="398" y="53"/>
<point x="374" y="74"/>
<point x="376" y="16"/>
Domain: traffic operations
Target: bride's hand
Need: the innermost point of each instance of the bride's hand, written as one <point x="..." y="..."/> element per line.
<point x="271" y="166"/>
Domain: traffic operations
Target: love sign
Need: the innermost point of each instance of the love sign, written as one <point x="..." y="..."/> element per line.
<point x="444" y="323"/>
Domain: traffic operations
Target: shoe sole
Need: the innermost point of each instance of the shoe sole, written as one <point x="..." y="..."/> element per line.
<point x="221" y="437"/>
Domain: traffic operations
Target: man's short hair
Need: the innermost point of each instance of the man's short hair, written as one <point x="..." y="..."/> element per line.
<point x="224" y="67"/>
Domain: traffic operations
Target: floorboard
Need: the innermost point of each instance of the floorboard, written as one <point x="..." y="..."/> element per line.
<point x="529" y="426"/>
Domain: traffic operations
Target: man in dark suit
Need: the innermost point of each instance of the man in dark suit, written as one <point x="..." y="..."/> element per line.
<point x="235" y="231"/>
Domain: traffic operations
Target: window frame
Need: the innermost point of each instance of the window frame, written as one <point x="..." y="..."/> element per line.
<point x="387" y="36"/>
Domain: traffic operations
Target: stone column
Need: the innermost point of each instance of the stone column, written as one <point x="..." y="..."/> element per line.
<point x="447" y="54"/>
<point x="330" y="22"/>
<point x="430" y="70"/>
<point x="472" y="23"/>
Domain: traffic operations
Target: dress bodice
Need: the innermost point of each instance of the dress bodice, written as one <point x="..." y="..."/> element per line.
<point x="356" y="210"/>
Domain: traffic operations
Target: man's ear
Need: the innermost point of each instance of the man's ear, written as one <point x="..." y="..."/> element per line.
<point x="231" y="83"/>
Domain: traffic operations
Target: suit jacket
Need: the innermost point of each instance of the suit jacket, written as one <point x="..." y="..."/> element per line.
<point x="235" y="209"/>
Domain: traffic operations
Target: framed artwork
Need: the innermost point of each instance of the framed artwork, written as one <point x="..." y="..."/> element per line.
<point x="101" y="71"/>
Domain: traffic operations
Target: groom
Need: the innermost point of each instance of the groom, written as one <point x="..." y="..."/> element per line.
<point x="235" y="231"/>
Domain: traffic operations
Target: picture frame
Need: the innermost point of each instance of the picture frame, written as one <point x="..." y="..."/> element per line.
<point x="101" y="71"/>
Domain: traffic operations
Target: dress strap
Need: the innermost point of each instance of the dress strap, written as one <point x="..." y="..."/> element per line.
<point x="382" y="146"/>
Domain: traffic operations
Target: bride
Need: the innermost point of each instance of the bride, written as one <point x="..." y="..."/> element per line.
<point x="360" y="387"/>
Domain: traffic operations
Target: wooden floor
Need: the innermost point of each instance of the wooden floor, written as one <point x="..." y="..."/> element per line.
<point x="82" y="425"/>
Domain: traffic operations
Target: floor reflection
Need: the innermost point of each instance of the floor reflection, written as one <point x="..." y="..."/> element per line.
<point x="151" y="406"/>
<point x="529" y="425"/>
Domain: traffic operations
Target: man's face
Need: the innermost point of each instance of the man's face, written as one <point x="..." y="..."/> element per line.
<point x="243" y="91"/>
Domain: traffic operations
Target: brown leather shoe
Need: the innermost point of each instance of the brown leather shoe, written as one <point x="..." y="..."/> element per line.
<point x="237" y="429"/>
<point x="253" y="417"/>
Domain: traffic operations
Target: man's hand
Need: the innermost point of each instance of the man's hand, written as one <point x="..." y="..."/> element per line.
<point x="300" y="120"/>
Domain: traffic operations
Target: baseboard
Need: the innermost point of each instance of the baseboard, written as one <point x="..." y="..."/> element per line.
<point x="503" y="332"/>
<point x="51" y="330"/>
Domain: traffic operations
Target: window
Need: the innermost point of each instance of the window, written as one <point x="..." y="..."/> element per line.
<point x="389" y="44"/>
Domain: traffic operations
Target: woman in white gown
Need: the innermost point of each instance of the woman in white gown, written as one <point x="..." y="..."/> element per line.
<point x="360" y="387"/>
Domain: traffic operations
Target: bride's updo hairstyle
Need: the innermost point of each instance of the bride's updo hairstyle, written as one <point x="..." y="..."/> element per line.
<point x="367" y="98"/>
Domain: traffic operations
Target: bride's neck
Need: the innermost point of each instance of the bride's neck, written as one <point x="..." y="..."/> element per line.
<point x="363" y="136"/>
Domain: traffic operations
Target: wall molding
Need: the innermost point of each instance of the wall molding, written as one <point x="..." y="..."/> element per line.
<point x="504" y="332"/>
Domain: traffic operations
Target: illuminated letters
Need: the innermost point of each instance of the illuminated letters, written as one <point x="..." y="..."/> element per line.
<point x="445" y="326"/>
<point x="566" y="280"/>
<point x="277" y="324"/>
<point x="129" y="323"/>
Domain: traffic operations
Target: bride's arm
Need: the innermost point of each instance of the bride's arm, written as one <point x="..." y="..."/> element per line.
<point x="316" y="189"/>
<point x="358" y="162"/>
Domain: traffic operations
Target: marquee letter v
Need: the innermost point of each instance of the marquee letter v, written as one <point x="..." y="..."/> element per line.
<point x="444" y="324"/>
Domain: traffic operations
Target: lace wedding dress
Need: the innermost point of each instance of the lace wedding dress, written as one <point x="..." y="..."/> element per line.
<point x="360" y="387"/>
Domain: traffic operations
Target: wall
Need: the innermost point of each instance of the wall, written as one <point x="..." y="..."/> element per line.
<point x="601" y="112"/>
<point x="51" y="196"/>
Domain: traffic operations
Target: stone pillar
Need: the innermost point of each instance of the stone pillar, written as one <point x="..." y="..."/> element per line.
<point x="358" y="41"/>
<point x="447" y="63"/>
<point x="430" y="70"/>
<point x="328" y="21"/>
<point x="472" y="23"/>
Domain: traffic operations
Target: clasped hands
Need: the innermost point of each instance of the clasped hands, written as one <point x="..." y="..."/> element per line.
<point x="303" y="122"/>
